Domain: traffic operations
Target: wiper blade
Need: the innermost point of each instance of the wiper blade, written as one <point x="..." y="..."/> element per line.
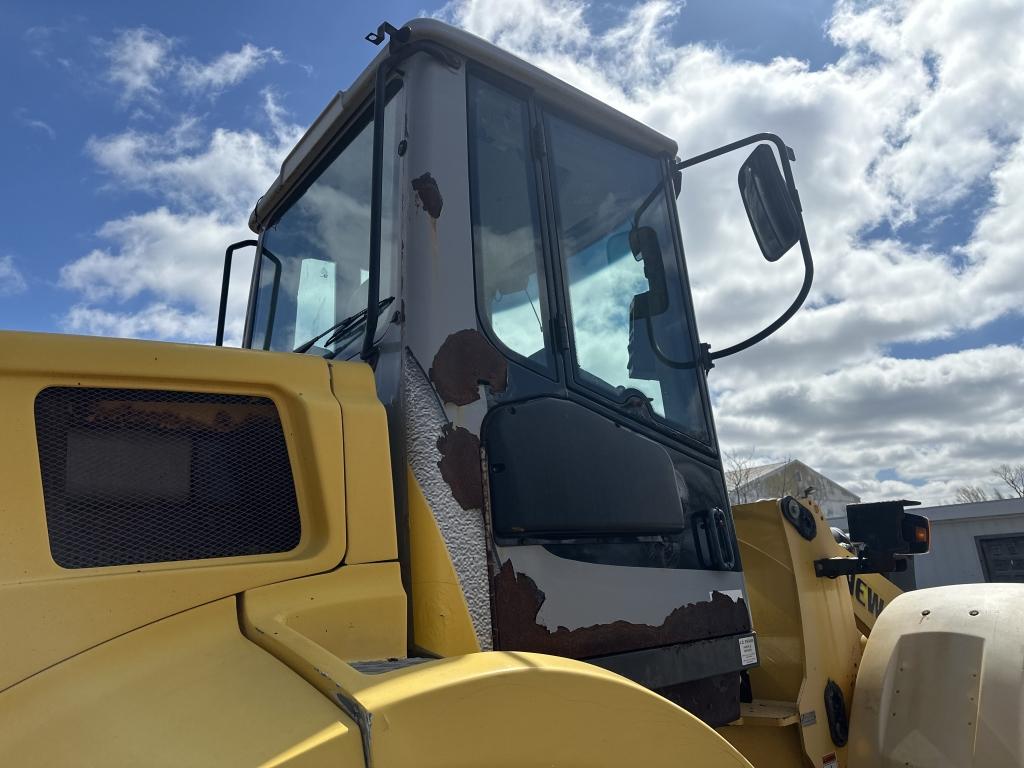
<point x="339" y="329"/>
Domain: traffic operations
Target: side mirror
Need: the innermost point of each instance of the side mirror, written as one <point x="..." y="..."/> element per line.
<point x="617" y="247"/>
<point x="643" y="242"/>
<point x="770" y="207"/>
<point x="773" y="209"/>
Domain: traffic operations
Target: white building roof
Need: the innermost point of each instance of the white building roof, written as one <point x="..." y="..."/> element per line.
<point x="974" y="510"/>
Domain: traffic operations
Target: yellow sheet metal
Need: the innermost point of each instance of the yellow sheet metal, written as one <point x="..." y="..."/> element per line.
<point x="806" y="633"/>
<point x="59" y="612"/>
<point x="185" y="691"/>
<point x="369" y="494"/>
<point x="440" y="616"/>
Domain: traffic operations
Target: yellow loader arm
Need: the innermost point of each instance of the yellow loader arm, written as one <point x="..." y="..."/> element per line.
<point x="869" y="592"/>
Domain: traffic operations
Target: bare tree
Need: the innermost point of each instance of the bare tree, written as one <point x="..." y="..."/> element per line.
<point x="1013" y="476"/>
<point x="968" y="494"/>
<point x="739" y="471"/>
<point x="785" y="482"/>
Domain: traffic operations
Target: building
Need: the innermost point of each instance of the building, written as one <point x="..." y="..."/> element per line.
<point x="791" y="478"/>
<point x="977" y="542"/>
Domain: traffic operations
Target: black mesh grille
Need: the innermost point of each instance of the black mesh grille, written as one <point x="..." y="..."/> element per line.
<point x="146" y="476"/>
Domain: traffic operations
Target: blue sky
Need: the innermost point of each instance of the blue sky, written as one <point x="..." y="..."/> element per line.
<point x="60" y="96"/>
<point x="136" y="137"/>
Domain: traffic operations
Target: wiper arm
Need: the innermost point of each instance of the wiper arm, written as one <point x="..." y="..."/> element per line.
<point x="339" y="329"/>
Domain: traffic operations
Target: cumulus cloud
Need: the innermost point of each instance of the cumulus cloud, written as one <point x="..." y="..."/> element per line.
<point x="142" y="59"/>
<point x="11" y="279"/>
<point x="899" y="132"/>
<point x="227" y="69"/>
<point x="138" y="59"/>
<point x="157" y="274"/>
<point x="902" y="128"/>
<point x="189" y="166"/>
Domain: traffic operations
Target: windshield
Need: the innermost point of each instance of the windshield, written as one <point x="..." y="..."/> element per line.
<point x="315" y="262"/>
<point x="625" y="279"/>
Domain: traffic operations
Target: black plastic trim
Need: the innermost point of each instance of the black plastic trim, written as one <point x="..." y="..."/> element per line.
<point x="682" y="663"/>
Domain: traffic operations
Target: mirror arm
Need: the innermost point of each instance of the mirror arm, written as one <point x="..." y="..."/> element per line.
<point x="787" y="156"/>
<point x="782" y="319"/>
<point x="786" y="153"/>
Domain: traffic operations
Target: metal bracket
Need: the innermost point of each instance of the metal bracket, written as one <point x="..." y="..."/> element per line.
<point x="385" y="30"/>
<point x="834" y="567"/>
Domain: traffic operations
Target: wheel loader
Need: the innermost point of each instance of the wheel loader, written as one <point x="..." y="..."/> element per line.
<point x="458" y="500"/>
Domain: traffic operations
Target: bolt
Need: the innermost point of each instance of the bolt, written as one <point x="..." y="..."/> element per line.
<point x="974" y="613"/>
<point x="925" y="612"/>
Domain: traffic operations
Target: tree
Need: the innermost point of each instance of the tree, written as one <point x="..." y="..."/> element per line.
<point x="1013" y="476"/>
<point x="968" y="494"/>
<point x="785" y="481"/>
<point x="739" y="471"/>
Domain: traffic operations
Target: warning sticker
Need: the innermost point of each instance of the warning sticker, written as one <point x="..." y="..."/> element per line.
<point x="830" y="761"/>
<point x="748" y="651"/>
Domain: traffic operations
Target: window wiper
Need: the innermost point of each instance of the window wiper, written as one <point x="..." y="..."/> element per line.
<point x="341" y="328"/>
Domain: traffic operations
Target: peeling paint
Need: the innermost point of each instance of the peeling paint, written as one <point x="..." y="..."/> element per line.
<point x="429" y="194"/>
<point x="517" y="601"/>
<point x="460" y="465"/>
<point x="465" y="360"/>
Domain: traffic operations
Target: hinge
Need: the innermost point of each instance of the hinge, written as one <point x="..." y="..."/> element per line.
<point x="539" y="149"/>
<point x="560" y="333"/>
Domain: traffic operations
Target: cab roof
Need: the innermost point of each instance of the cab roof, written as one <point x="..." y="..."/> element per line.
<point x="343" y="106"/>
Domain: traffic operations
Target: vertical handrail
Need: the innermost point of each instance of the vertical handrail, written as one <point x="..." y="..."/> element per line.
<point x="225" y="284"/>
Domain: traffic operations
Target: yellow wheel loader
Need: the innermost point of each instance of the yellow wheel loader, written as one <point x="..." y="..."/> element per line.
<point x="459" y="500"/>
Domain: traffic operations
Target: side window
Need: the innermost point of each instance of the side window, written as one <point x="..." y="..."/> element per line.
<point x="315" y="257"/>
<point x="630" y="332"/>
<point x="512" y="294"/>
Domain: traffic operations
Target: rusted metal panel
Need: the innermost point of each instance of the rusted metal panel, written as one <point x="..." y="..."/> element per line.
<point x="460" y="465"/>
<point x="715" y="700"/>
<point x="465" y="360"/>
<point x="429" y="194"/>
<point x="517" y="601"/>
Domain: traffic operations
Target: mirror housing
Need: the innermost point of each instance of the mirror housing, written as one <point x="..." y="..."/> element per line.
<point x="770" y="207"/>
<point x="644" y="245"/>
<point x="617" y="247"/>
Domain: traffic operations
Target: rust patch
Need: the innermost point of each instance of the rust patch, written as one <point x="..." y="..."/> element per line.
<point x="175" y="416"/>
<point x="460" y="466"/>
<point x="517" y="601"/>
<point x="465" y="360"/>
<point x="426" y="188"/>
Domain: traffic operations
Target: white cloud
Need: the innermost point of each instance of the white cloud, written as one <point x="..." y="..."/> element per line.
<point x="227" y="69"/>
<point x="913" y="116"/>
<point x="23" y="117"/>
<point x="160" y="321"/>
<point x="11" y="279"/>
<point x="192" y="168"/>
<point x="138" y="58"/>
<point x="158" y="273"/>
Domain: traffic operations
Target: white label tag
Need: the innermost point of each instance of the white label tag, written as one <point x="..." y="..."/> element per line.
<point x="734" y="594"/>
<point x="748" y="651"/>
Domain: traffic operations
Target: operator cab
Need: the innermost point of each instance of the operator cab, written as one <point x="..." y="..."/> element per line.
<point x="505" y="252"/>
